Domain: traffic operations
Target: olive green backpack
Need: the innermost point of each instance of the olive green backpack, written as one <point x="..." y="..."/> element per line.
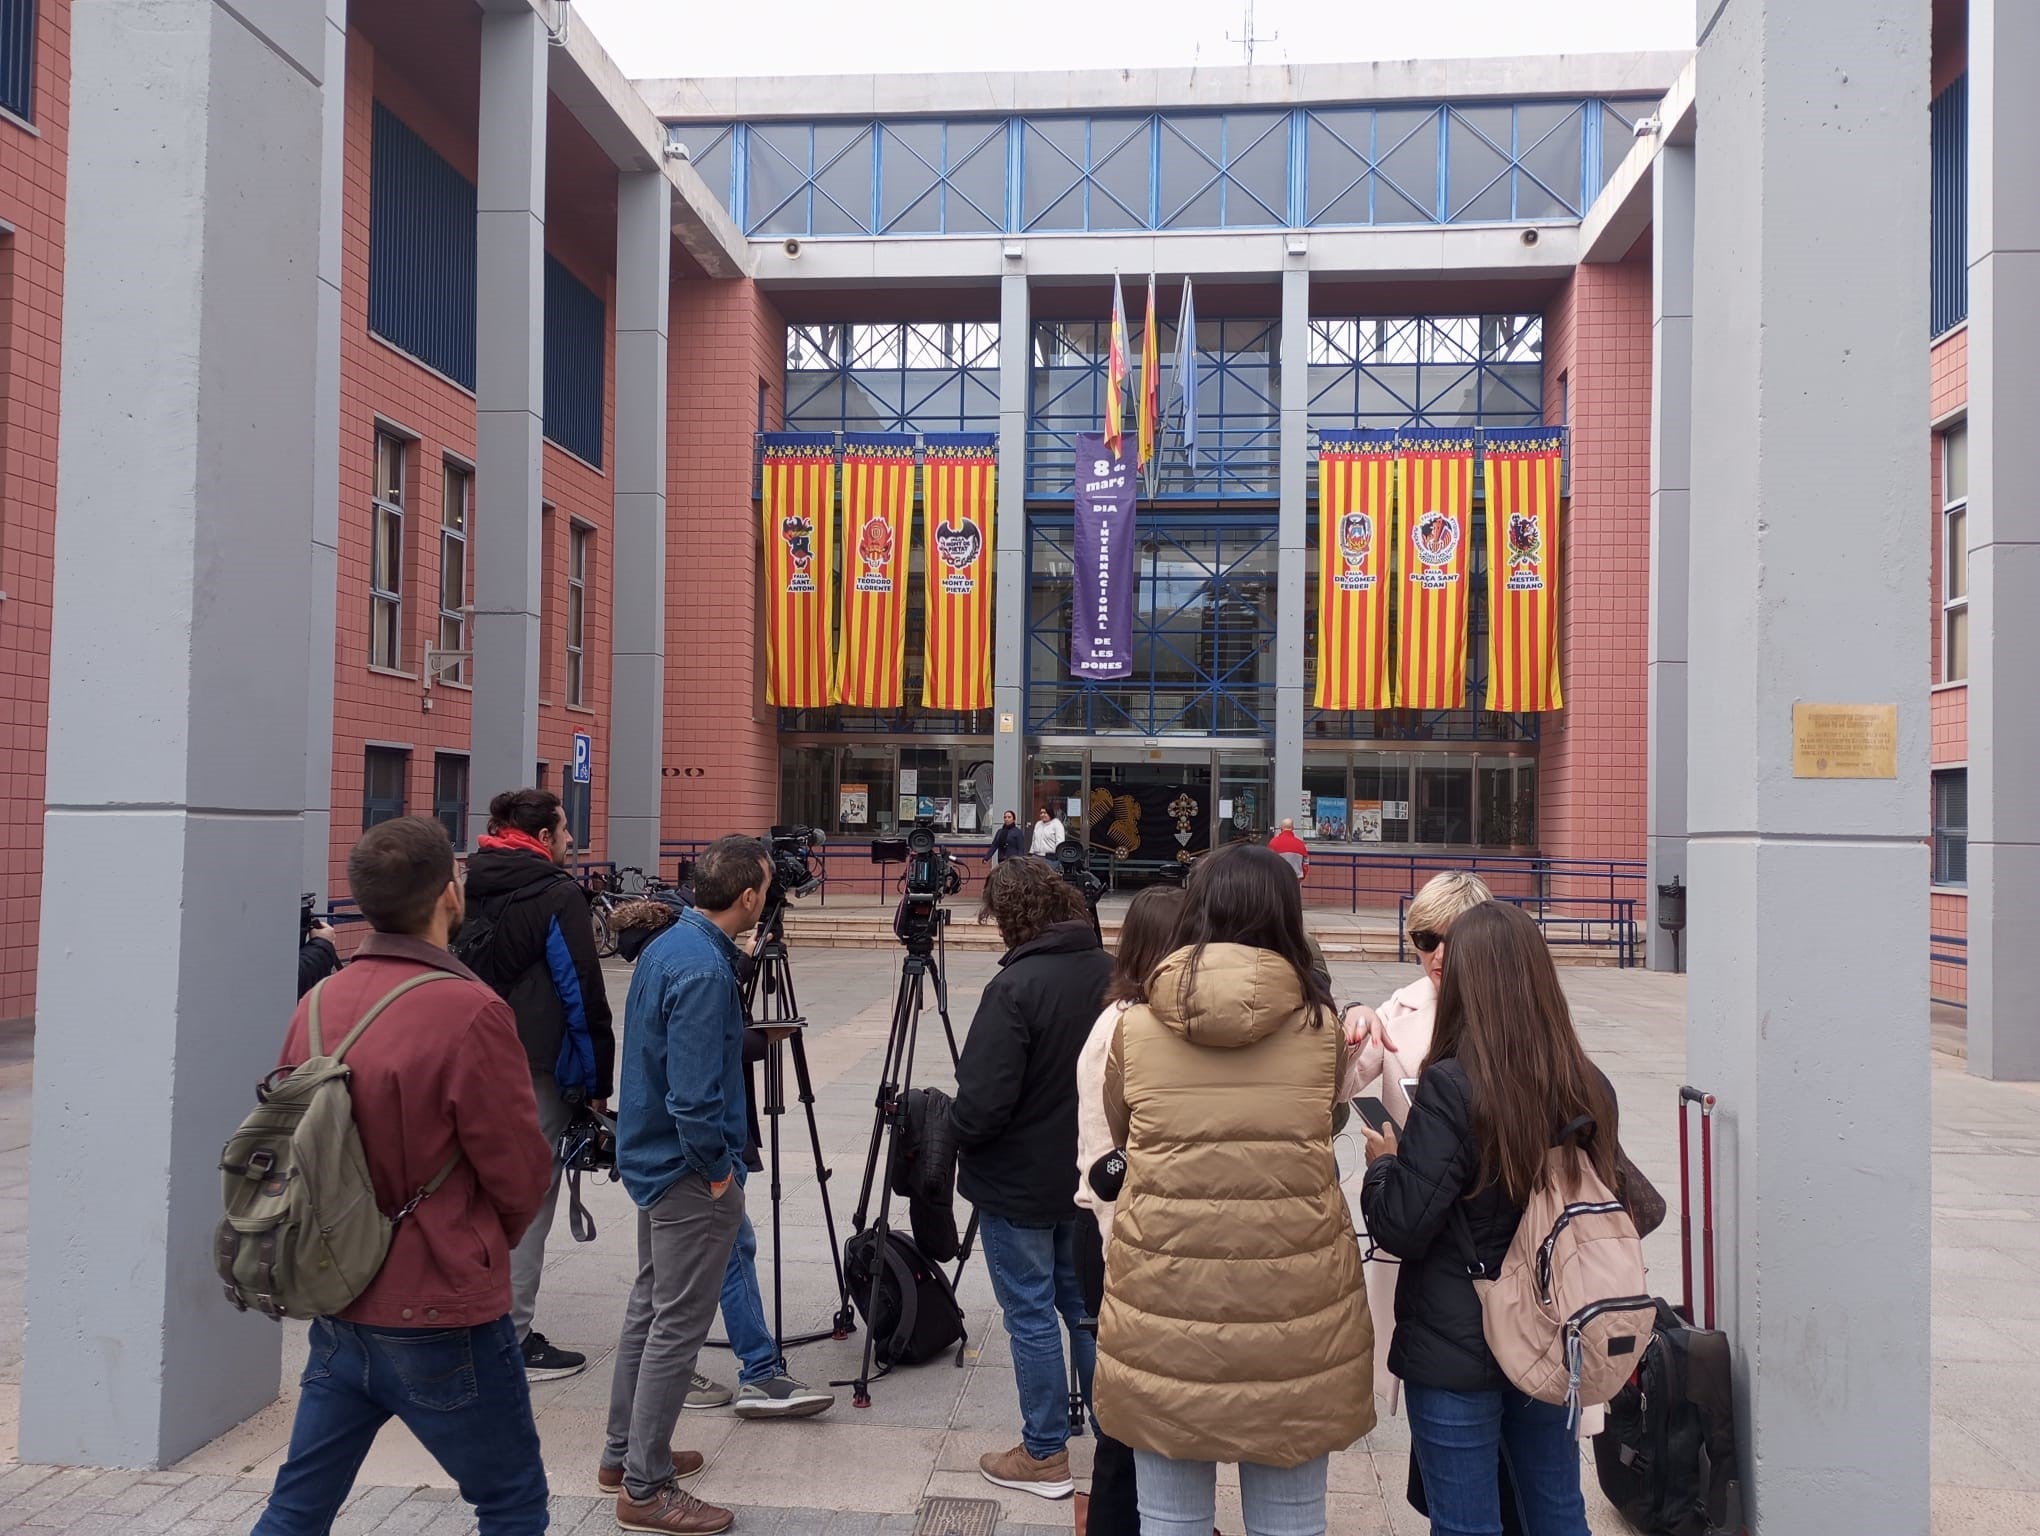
<point x="303" y="1234"/>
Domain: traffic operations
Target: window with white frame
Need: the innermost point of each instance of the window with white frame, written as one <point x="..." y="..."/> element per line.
<point x="1951" y="826"/>
<point x="386" y="555"/>
<point x="456" y="511"/>
<point x="1955" y="554"/>
<point x="580" y="543"/>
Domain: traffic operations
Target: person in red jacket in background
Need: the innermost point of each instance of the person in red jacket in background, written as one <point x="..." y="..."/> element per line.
<point x="430" y="1342"/>
<point x="1291" y="847"/>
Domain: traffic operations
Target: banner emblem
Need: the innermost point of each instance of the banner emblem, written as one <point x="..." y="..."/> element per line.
<point x="1356" y="552"/>
<point x="1437" y="539"/>
<point x="958" y="548"/>
<point x="875" y="549"/>
<point x="799" y="534"/>
<point x="1526" y="554"/>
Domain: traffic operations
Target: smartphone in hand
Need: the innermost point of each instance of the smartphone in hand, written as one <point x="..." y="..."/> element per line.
<point x="1374" y="1112"/>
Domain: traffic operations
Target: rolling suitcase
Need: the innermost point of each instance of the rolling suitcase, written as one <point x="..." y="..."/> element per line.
<point x="1667" y="1458"/>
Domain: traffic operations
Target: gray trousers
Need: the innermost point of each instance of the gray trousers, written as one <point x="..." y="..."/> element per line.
<point x="684" y="1243"/>
<point x="527" y="1259"/>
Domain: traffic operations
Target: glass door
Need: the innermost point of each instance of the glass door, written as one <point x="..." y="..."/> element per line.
<point x="1244" y="809"/>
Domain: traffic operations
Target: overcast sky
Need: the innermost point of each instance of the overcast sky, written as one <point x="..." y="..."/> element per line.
<point x="782" y="37"/>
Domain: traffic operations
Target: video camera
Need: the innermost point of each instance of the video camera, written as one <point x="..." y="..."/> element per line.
<point x="307" y="917"/>
<point x="1073" y="861"/>
<point x="930" y="876"/>
<point x="795" y="871"/>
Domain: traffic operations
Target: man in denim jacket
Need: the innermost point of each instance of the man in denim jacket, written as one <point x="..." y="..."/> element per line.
<point x="679" y="1144"/>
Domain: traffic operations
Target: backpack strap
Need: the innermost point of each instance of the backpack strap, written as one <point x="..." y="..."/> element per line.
<point x="368" y="1018"/>
<point x="430" y="1188"/>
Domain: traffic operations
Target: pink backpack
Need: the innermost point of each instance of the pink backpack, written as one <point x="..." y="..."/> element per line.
<point x="1568" y="1316"/>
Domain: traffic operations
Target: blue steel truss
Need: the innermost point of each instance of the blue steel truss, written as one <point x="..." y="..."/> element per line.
<point x="1204" y="621"/>
<point x="1243" y="168"/>
<point x="1239" y="428"/>
<point x="1427" y="371"/>
<point x="892" y="378"/>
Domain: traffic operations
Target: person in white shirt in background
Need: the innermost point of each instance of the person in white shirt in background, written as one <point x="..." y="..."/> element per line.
<point x="1048" y="834"/>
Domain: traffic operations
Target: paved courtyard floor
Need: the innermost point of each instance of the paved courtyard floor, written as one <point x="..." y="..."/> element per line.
<point x="867" y="1472"/>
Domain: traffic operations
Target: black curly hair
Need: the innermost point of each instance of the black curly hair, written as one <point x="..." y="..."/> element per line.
<point x="1026" y="897"/>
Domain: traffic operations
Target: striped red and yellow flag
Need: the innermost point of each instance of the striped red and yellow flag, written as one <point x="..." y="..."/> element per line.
<point x="878" y="529"/>
<point x="1117" y="366"/>
<point x="959" y="492"/>
<point x="1433" y="521"/>
<point x="1522" y="477"/>
<point x="800" y="516"/>
<point x="1356" y="490"/>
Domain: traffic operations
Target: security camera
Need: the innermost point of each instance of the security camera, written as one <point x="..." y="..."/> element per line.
<point x="675" y="150"/>
<point x="1646" y="126"/>
<point x="1530" y="237"/>
<point x="792" y="247"/>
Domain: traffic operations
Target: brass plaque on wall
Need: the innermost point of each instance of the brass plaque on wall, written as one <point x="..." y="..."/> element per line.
<point x="1845" y="741"/>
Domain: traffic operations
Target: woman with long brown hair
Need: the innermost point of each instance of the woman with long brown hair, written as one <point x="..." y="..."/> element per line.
<point x="1505" y="1077"/>
<point x="1234" y="1327"/>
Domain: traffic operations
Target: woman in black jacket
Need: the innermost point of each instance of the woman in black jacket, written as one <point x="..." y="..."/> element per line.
<point x="1009" y="842"/>
<point x="1016" y="1121"/>
<point x="1505" y="1073"/>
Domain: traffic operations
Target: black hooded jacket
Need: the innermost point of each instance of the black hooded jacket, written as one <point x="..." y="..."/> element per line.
<point x="542" y="958"/>
<point x="1016" y="1088"/>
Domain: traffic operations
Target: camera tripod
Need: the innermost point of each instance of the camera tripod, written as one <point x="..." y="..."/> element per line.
<point x="926" y="956"/>
<point x="782" y="1026"/>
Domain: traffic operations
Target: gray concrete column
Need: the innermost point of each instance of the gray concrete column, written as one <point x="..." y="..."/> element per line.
<point x="1808" y="964"/>
<point x="509" y="403"/>
<point x="644" y="260"/>
<point x="322" y="621"/>
<point x="1292" y="539"/>
<point x="1009" y="612"/>
<point x="2004" y="540"/>
<point x="1671" y="469"/>
<point x="178" y="713"/>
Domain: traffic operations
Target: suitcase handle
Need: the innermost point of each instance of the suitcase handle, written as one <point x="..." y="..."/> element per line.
<point x="1706" y="1101"/>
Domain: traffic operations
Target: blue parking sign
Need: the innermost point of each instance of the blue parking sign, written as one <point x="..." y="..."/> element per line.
<point x="584" y="757"/>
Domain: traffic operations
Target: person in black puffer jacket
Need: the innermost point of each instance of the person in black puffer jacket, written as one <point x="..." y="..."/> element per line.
<point x="531" y="938"/>
<point x="1505" y="1074"/>
<point x="1016" y="1122"/>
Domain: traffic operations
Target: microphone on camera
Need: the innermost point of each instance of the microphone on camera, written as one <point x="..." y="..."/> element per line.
<point x="1108" y="1176"/>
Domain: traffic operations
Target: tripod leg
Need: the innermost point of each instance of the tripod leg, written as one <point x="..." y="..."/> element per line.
<point x="775" y="1108"/>
<point x="907" y="1021"/>
<point x="846" y="1318"/>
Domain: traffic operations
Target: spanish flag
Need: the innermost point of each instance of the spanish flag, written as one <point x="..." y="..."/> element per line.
<point x="1116" y="371"/>
<point x="1150" y="382"/>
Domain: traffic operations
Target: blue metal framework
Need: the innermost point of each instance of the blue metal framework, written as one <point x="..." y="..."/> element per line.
<point x="1247" y="168"/>
<point x="1427" y="371"/>
<point x="576" y="343"/>
<point x="1203" y="632"/>
<point x="1948" y="254"/>
<point x="941" y="377"/>
<point x="17" y="58"/>
<point x="1238" y="403"/>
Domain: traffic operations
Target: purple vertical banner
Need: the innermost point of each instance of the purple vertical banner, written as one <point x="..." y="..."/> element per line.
<point x="1101" y="613"/>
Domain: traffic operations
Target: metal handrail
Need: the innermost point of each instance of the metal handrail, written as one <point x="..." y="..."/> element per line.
<point x="1620" y="919"/>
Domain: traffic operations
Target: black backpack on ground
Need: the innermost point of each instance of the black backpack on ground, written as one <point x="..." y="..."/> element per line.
<point x="1668" y="1455"/>
<point x="916" y="1316"/>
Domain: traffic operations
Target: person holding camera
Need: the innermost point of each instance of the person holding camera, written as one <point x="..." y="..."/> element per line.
<point x="317" y="956"/>
<point x="680" y="1137"/>
<point x="436" y="1081"/>
<point x="530" y="936"/>
<point x="1015" y="1117"/>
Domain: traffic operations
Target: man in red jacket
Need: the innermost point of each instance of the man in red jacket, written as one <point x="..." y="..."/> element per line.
<point x="430" y="1341"/>
<point x="1291" y="847"/>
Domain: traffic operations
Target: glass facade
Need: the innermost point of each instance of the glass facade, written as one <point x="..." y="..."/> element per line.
<point x="1419" y="799"/>
<point x="1245" y="168"/>
<point x="868" y="791"/>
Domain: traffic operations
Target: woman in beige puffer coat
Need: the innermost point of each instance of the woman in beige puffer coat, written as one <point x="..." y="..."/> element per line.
<point x="1235" y="1327"/>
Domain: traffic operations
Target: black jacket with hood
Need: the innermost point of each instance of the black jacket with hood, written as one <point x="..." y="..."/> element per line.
<point x="1016" y="1096"/>
<point x="542" y="961"/>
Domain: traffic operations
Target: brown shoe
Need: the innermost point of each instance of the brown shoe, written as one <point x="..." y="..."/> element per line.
<point x="672" y="1512"/>
<point x="1049" y="1479"/>
<point x="685" y="1464"/>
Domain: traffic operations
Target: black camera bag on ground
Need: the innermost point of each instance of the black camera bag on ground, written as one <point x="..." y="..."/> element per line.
<point x="916" y="1316"/>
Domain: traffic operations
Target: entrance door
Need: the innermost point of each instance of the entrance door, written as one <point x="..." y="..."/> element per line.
<point x="1149" y="815"/>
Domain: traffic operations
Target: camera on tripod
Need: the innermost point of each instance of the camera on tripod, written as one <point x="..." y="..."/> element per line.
<point x="931" y="875"/>
<point x="307" y="918"/>
<point x="1072" y="860"/>
<point x="795" y="869"/>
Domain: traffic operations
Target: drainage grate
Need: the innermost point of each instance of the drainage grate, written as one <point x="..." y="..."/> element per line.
<point x="956" y="1517"/>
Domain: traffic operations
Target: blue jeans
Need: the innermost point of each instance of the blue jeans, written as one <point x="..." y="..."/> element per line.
<point x="743" y="1312"/>
<point x="1180" y="1498"/>
<point x="1456" y="1438"/>
<point x="1034" y="1277"/>
<point x="461" y="1391"/>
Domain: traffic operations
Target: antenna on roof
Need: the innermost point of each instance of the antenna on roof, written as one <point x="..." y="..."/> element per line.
<point x="1248" y="39"/>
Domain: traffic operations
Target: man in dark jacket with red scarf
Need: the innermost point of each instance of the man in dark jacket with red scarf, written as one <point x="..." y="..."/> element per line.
<point x="531" y="938"/>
